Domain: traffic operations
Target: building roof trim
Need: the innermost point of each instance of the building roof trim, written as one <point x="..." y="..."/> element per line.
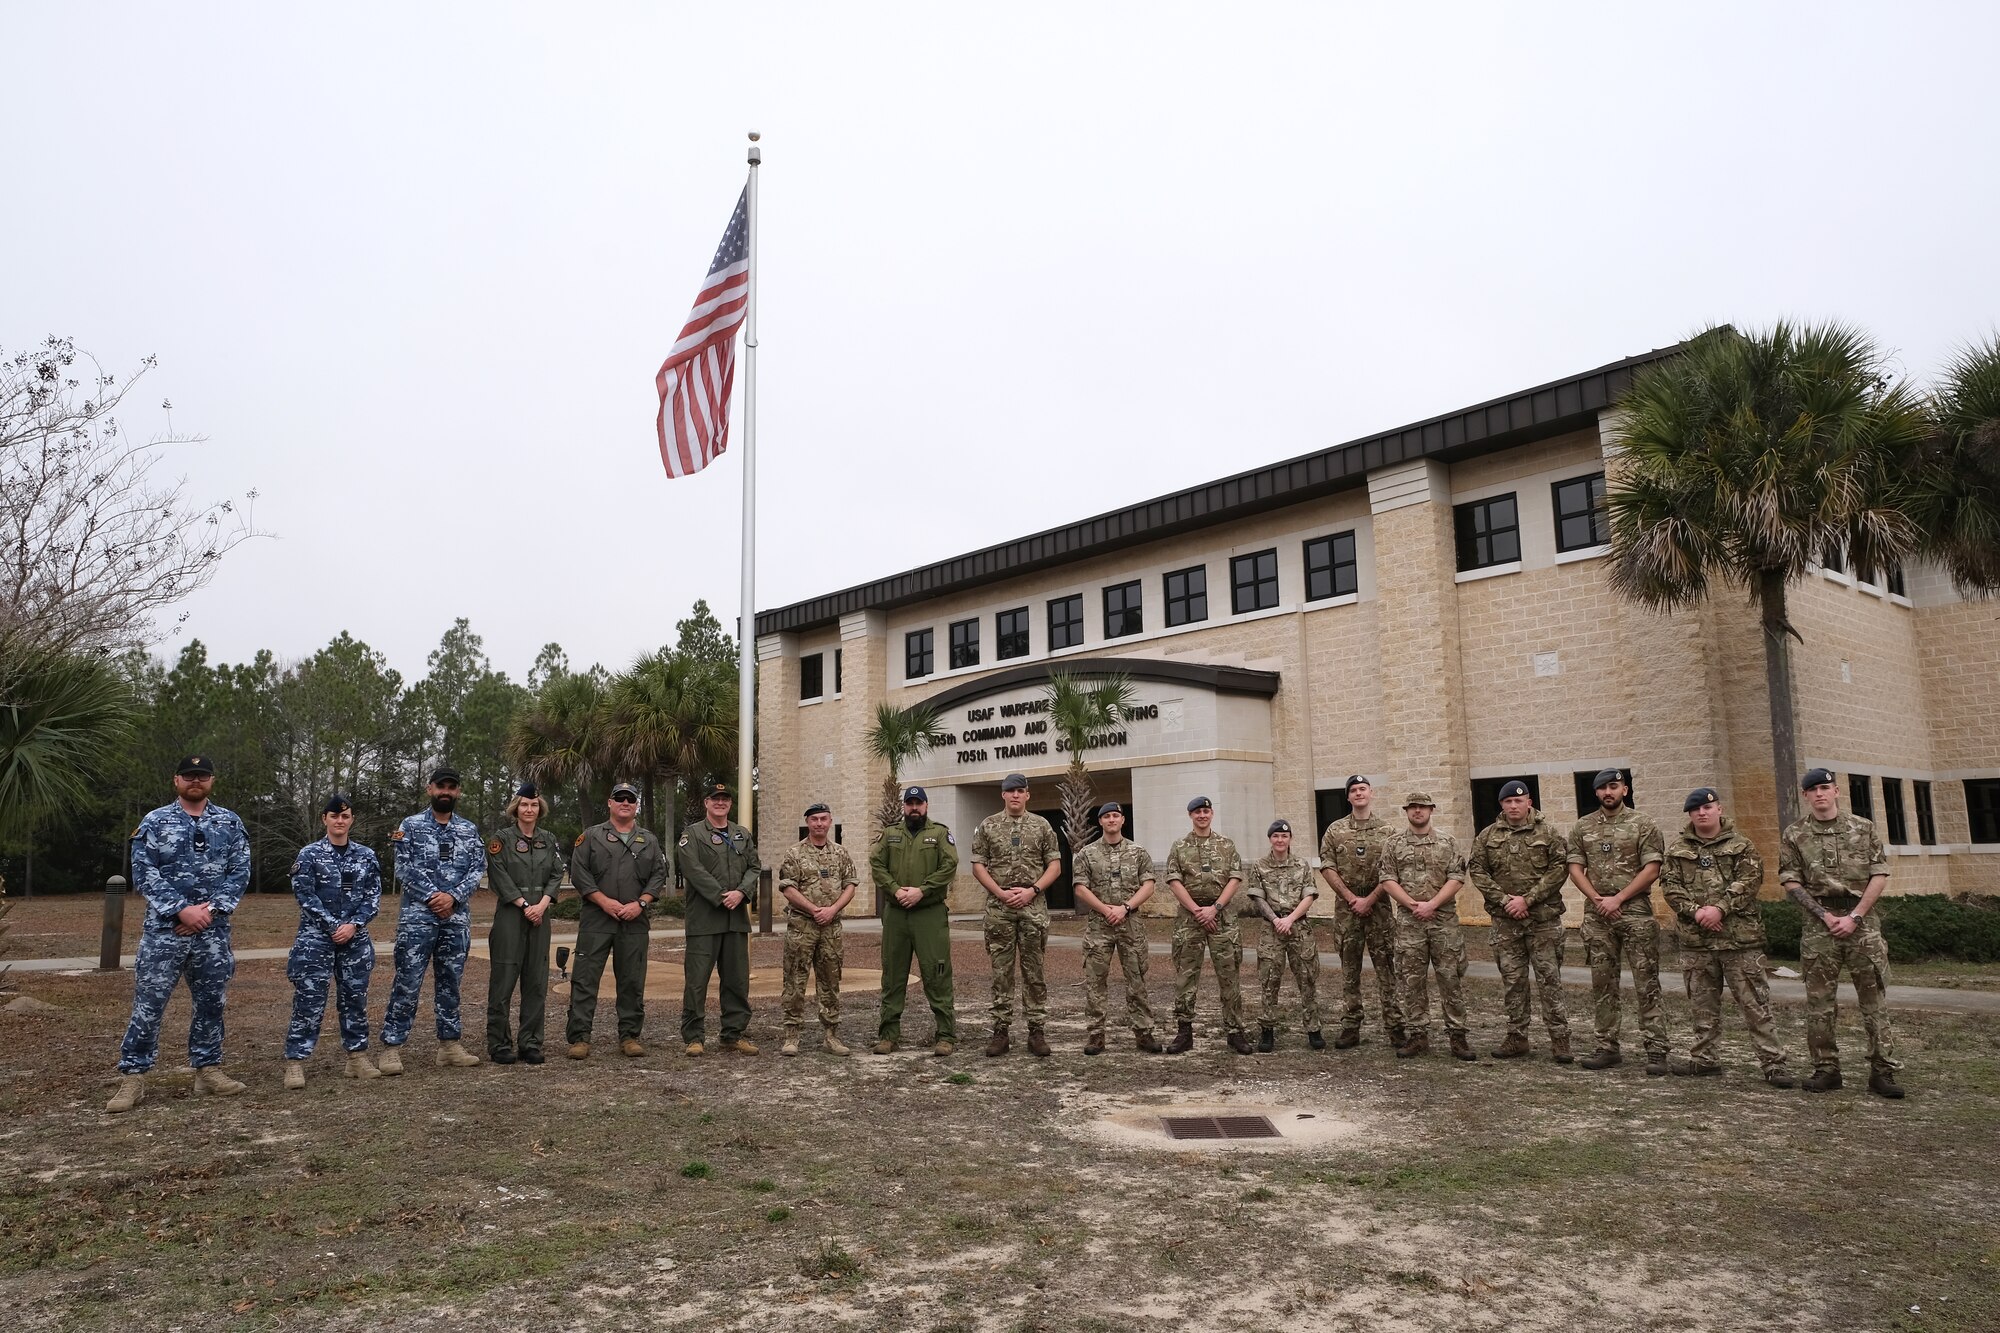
<point x="1221" y="679"/>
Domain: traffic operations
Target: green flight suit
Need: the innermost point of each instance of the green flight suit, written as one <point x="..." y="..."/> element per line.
<point x="926" y="859"/>
<point x="713" y="862"/>
<point x="624" y="869"/>
<point x="522" y="869"/>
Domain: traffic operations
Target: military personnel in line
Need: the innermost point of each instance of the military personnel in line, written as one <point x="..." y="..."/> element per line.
<point x="1519" y="863"/>
<point x="912" y="865"/>
<point x="1710" y="880"/>
<point x="1363" y="918"/>
<point x="338" y="883"/>
<point x="719" y="863"/>
<point x="1203" y="873"/>
<point x="524" y="866"/>
<point x="191" y="862"/>
<point x="1015" y="857"/>
<point x="817" y="881"/>
<point x="1835" y="866"/>
<point x="619" y="870"/>
<point x="1422" y="872"/>
<point x="440" y="859"/>
<point x="1282" y="888"/>
<point x="1614" y="856"/>
<point x="1114" y="879"/>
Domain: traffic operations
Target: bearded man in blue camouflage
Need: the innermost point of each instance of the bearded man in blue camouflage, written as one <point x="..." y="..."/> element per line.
<point x="440" y="858"/>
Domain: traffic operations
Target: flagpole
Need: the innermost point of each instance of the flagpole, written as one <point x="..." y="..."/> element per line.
<point x="746" y="620"/>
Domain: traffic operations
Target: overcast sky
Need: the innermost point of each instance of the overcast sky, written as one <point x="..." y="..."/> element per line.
<point x="411" y="268"/>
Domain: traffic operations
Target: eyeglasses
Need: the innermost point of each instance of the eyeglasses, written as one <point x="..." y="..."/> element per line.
<point x="624" y="800"/>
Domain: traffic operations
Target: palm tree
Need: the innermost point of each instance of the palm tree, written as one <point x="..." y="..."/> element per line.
<point x="670" y="717"/>
<point x="898" y="736"/>
<point x="1079" y="711"/>
<point x="62" y="717"/>
<point x="1749" y="457"/>
<point x="558" y="740"/>
<point x="1955" y="497"/>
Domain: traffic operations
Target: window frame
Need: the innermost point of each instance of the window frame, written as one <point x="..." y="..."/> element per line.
<point x="1334" y="565"/>
<point x="1597" y="514"/>
<point x="1895" y="815"/>
<point x="1861" y="795"/>
<point x="1188" y="597"/>
<point x="1256" y="584"/>
<point x="1926" y="806"/>
<point x="1002" y="635"/>
<point x="1466" y="537"/>
<point x="919" y="645"/>
<point x="963" y="639"/>
<point x="812" y="671"/>
<point x="1072" y="624"/>
<point x="1982" y="810"/>
<point x="1132" y="609"/>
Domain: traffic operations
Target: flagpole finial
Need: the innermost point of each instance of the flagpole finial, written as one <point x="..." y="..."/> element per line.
<point x="756" y="153"/>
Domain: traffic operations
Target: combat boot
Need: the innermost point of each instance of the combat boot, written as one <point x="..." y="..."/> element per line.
<point x="1689" y="1069"/>
<point x="131" y="1091"/>
<point x="1094" y="1044"/>
<point x="739" y="1045"/>
<point x="295" y="1074"/>
<point x="1461" y="1047"/>
<point x="1397" y="1035"/>
<point x="211" y="1080"/>
<point x="883" y="1047"/>
<point x="578" y="1050"/>
<point x="1602" y="1058"/>
<point x="631" y="1047"/>
<point x="1038" y="1041"/>
<point x="997" y="1043"/>
<point x="1348" y="1038"/>
<point x="1183" y="1041"/>
<point x="1823" y="1080"/>
<point x="359" y="1066"/>
<point x="789" y="1044"/>
<point x="502" y="1056"/>
<point x="694" y="1050"/>
<point x="452" y="1055"/>
<point x="1559" y="1049"/>
<point x="1883" y="1084"/>
<point x="1513" y="1048"/>
<point x="1415" y="1046"/>
<point x="830" y="1039"/>
<point x="1267" y="1040"/>
<point x="391" y="1063"/>
<point x="943" y="1046"/>
<point x="1239" y="1042"/>
<point x="1315" y="1040"/>
<point x="1656" y="1064"/>
<point x="1779" y="1078"/>
<point x="1146" y="1043"/>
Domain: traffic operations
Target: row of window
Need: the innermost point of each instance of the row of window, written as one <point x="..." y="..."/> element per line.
<point x="1835" y="561"/>
<point x="1489" y="531"/>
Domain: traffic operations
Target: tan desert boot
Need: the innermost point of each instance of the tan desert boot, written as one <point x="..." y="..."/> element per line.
<point x="295" y="1074"/>
<point x="211" y="1080"/>
<point x="452" y="1055"/>
<point x="742" y="1046"/>
<point x="391" y="1063"/>
<point x="360" y="1066"/>
<point x="131" y="1091"/>
<point x="833" y="1043"/>
<point x="790" y="1045"/>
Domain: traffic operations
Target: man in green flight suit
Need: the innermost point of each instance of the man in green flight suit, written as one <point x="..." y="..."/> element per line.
<point x="913" y="864"/>
<point x="619" y="869"/>
<point x="719" y="863"/>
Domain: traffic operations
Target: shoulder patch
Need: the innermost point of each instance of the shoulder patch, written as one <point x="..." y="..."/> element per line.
<point x="578" y="842"/>
<point x="397" y="836"/>
<point x="137" y="829"/>
<point x="493" y="847"/>
<point x="684" y="840"/>
<point x="948" y="838"/>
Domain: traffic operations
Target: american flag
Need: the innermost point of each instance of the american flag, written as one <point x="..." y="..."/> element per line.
<point x="695" y="379"/>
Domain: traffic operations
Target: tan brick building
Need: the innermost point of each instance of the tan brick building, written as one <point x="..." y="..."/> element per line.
<point x="1427" y="606"/>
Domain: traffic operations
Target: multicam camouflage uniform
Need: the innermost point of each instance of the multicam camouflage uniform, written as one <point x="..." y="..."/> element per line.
<point x="1353" y="847"/>
<point x="432" y="858"/>
<point x="1722" y="872"/>
<point x="1017" y="849"/>
<point x="1612" y="849"/>
<point x="1284" y="883"/>
<point x="178" y="860"/>
<point x="1530" y="861"/>
<point x="819" y="875"/>
<point x="335" y="886"/>
<point x="1113" y="875"/>
<point x="1423" y="865"/>
<point x="1832" y="860"/>
<point x="1204" y="866"/>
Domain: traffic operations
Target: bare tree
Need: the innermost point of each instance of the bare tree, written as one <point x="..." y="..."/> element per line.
<point x="96" y="543"/>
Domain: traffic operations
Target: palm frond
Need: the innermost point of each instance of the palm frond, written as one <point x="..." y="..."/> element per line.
<point x="61" y="718"/>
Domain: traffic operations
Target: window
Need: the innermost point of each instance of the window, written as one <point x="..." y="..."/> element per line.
<point x="1489" y="533"/>
<point x="1892" y="812"/>
<point x="1187" y="596"/>
<point x="1586" y="791"/>
<point x="918" y="654"/>
<point x="1894" y="582"/>
<point x="1835" y="560"/>
<point x="1010" y="633"/>
<point x="1926" y="814"/>
<point x="1860" y="796"/>
<point x="1330" y="804"/>
<point x="812" y="676"/>
<point x="1253" y="581"/>
<point x="1065" y="622"/>
<point x="1982" y="808"/>
<point x="964" y="644"/>
<point x="834" y="836"/>
<point x="1486" y="796"/>
<point x="836" y="670"/>
<point x="1581" y="519"/>
<point x="1330" y="566"/>
<point x="1121" y="610"/>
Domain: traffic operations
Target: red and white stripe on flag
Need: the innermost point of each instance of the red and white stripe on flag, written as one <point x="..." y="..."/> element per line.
<point x="695" y="380"/>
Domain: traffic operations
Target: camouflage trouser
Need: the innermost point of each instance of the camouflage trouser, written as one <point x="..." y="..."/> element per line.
<point x="816" y="950"/>
<point x="1225" y="950"/>
<point x="1519" y="946"/>
<point x="1865" y="955"/>
<point x="1300" y="952"/>
<point x="1422" y="946"/>
<point x="316" y="960"/>
<point x="1127" y="939"/>
<point x="1636" y="936"/>
<point x="1707" y="971"/>
<point x="424" y="941"/>
<point x="1018" y="936"/>
<point x="1376" y="934"/>
<point x="207" y="962"/>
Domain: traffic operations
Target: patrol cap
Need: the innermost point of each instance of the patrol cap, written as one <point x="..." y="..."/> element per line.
<point x="1200" y="803"/>
<point x="1419" y="798"/>
<point x="1014" y="782"/>
<point x="444" y="773"/>
<point x="818" y="808"/>
<point x="624" y="789"/>
<point x="1358" y="780"/>
<point x="1814" y="777"/>
<point x="1110" y="808"/>
<point x="195" y="766"/>
<point x="1278" y="826"/>
<point x="913" y="794"/>
<point x="1514" y="789"/>
<point x="1697" y="798"/>
<point x="1605" y="777"/>
<point x="718" y="791"/>
<point x="337" y="804"/>
<point x="527" y="790"/>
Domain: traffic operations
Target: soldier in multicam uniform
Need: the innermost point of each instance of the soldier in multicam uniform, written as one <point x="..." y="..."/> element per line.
<point x="338" y="883"/>
<point x="1015" y="857"/>
<point x="1421" y="871"/>
<point x="1203" y="874"/>
<point x="817" y="880"/>
<point x="440" y="858"/>
<point x="1282" y="889"/>
<point x="1614" y="857"/>
<point x="1363" y="918"/>
<point x="1519" y="863"/>
<point x="1114" y="879"/>
<point x="191" y="861"/>
<point x="1710" y="880"/>
<point x="1835" y="866"/>
<point x="524" y="866"/>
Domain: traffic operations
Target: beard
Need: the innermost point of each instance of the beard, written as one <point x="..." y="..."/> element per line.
<point x="444" y="804"/>
<point x="914" y="823"/>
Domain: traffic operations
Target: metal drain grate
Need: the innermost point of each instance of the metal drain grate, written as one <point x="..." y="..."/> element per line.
<point x="1219" y="1127"/>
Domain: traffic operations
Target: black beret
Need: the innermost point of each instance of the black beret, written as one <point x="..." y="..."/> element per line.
<point x="1200" y="803"/>
<point x="528" y="789"/>
<point x="1014" y="782"/>
<point x="337" y="804"/>
<point x="1605" y="778"/>
<point x="1278" y="826"/>
<point x="1515" y="788"/>
<point x="1357" y="781"/>
<point x="1110" y="808"/>
<point x="818" y="808"/>
<point x="1814" y="777"/>
<point x="1697" y="798"/>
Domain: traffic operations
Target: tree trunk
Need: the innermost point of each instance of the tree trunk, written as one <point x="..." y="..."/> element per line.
<point x="652" y="803"/>
<point x="1778" y="681"/>
<point x="1077" y="798"/>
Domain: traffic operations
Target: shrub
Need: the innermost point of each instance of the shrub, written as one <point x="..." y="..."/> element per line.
<point x="1917" y="926"/>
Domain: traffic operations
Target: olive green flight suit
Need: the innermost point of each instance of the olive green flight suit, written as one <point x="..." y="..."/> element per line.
<point x="926" y="859"/>
<point x="713" y="862"/>
<point x="522" y="868"/>
<point x="622" y="868"/>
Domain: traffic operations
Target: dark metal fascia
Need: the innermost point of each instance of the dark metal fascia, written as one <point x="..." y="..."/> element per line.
<point x="1221" y="679"/>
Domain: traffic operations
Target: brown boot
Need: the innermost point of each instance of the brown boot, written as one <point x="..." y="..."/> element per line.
<point x="295" y="1074"/>
<point x="1038" y="1041"/>
<point x="1183" y="1041"/>
<point x="1239" y="1042"/>
<point x="1418" y="1044"/>
<point x="631" y="1047"/>
<point x="359" y="1066"/>
<point x="1348" y="1038"/>
<point x="1604" y="1057"/>
<point x="1146" y="1042"/>
<point x="1513" y="1048"/>
<point x="452" y="1055"/>
<point x="131" y="1091"/>
<point x="1461" y="1047"/>
<point x="789" y="1043"/>
<point x="1397" y="1035"/>
<point x="997" y="1043"/>
<point x="211" y="1080"/>
<point x="1559" y="1049"/>
<point x="830" y="1039"/>
<point x="739" y="1045"/>
<point x="943" y="1047"/>
<point x="1094" y="1044"/>
<point x="391" y="1063"/>
<point x="883" y="1047"/>
<point x="579" y="1050"/>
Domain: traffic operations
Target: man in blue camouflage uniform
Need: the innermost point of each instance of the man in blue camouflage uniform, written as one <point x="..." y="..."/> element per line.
<point x="191" y="861"/>
<point x="440" y="858"/>
<point x="338" y="883"/>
